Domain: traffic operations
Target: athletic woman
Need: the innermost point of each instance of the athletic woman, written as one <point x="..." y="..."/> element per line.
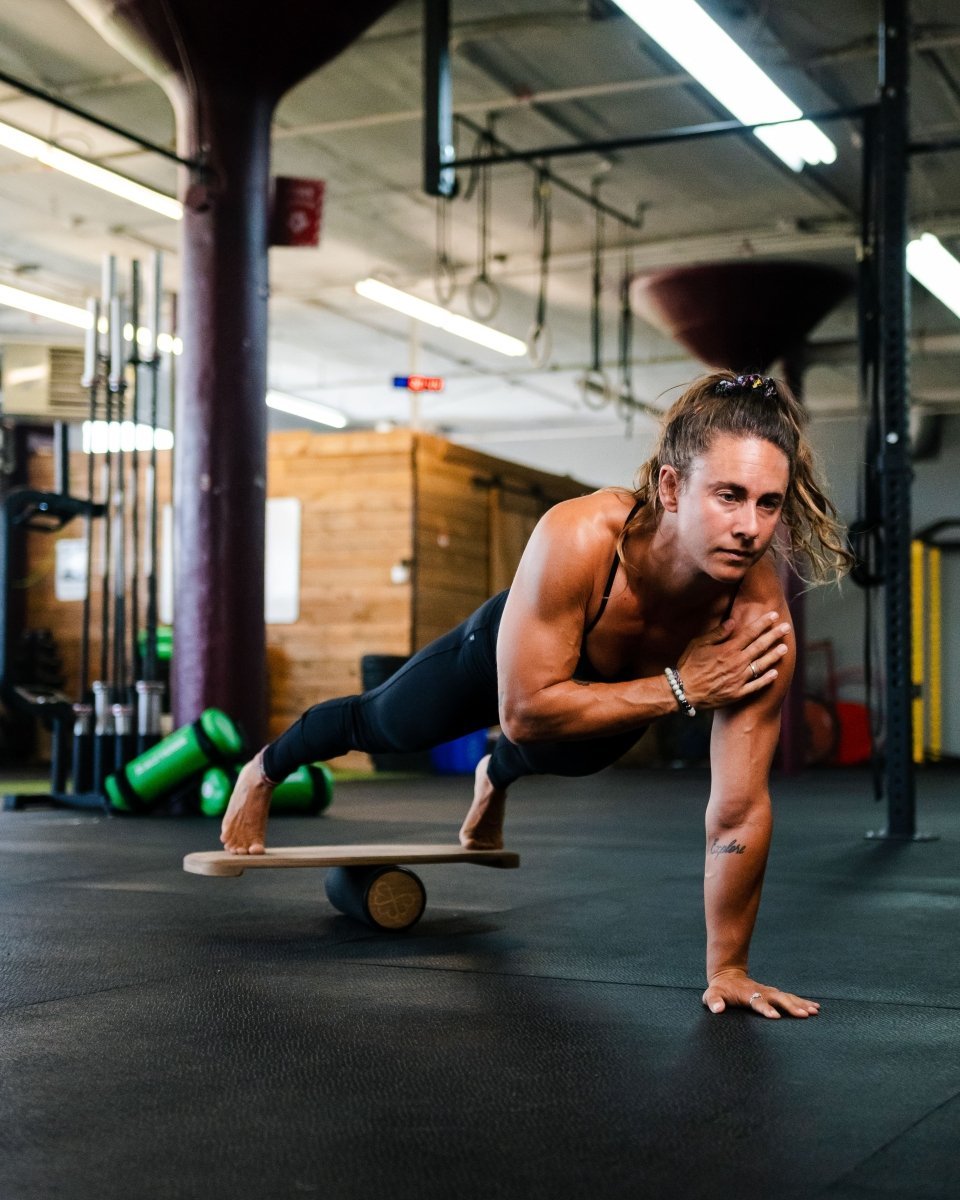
<point x="626" y="606"/>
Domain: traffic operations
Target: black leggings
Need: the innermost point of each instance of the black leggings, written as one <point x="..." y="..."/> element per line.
<point x="444" y="691"/>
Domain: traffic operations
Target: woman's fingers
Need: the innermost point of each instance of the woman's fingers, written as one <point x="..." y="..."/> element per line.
<point x="741" y="992"/>
<point x="759" y="636"/>
<point x="765" y="665"/>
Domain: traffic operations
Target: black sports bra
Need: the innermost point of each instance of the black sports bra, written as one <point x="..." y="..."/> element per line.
<point x="614" y="567"/>
<point x="585" y="668"/>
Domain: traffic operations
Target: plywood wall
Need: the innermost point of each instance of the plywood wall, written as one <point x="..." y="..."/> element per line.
<point x="357" y="525"/>
<point x="474" y="514"/>
<point x="402" y="536"/>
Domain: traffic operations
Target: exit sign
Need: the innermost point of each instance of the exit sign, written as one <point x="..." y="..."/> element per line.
<point x="419" y="383"/>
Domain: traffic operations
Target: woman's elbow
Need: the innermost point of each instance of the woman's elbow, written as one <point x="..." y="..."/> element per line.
<point x="518" y="720"/>
<point x="735" y="812"/>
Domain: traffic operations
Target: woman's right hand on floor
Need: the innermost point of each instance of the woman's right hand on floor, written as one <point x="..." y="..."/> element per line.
<point x="244" y="826"/>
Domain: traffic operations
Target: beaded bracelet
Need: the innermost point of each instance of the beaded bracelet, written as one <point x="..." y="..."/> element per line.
<point x="676" y="686"/>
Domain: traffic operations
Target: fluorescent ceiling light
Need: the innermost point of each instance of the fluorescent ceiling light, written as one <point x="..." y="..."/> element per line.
<point x="715" y="60"/>
<point x="70" y="314"/>
<point x="931" y="264"/>
<point x="441" y="318"/>
<point x="42" y="306"/>
<point x="108" y="181"/>
<point x="309" y="410"/>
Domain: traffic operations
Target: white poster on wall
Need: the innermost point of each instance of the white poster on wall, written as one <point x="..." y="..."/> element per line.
<point x="281" y="582"/>
<point x="281" y="576"/>
<point x="70" y="572"/>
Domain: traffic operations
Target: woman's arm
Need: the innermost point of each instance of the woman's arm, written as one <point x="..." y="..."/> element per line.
<point x="542" y="632"/>
<point x="738" y="828"/>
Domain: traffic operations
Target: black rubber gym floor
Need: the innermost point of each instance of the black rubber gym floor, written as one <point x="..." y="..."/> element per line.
<point x="538" y="1034"/>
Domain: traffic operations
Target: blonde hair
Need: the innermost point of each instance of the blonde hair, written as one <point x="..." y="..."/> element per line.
<point x="748" y="406"/>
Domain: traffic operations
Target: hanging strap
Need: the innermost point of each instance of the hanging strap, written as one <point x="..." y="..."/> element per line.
<point x="444" y="275"/>
<point x="539" y="342"/>
<point x="483" y="295"/>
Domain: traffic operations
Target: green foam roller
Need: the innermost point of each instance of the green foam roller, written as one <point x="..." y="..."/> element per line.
<point x="308" y="790"/>
<point x="212" y="738"/>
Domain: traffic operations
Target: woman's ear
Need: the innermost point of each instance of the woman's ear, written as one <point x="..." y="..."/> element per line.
<point x="668" y="488"/>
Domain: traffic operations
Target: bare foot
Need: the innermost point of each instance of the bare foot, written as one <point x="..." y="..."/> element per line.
<point x="244" y="826"/>
<point x="482" y="828"/>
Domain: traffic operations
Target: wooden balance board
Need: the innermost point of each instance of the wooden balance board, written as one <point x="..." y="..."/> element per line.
<point x="366" y="882"/>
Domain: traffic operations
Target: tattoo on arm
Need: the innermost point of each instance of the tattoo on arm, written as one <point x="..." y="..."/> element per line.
<point x="581" y="682"/>
<point x="733" y="847"/>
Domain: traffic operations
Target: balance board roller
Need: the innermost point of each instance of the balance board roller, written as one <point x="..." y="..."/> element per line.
<point x="365" y="882"/>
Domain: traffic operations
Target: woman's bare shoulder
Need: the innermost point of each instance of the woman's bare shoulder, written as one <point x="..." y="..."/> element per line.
<point x="761" y="590"/>
<point x="596" y="515"/>
<point x="572" y="544"/>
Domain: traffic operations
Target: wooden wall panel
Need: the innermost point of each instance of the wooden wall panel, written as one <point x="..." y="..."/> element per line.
<point x="474" y="515"/>
<point x="451" y="542"/>
<point x="357" y="524"/>
<point x="370" y="503"/>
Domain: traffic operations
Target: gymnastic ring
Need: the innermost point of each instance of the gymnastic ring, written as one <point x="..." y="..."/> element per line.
<point x="444" y="280"/>
<point x="483" y="298"/>
<point x="539" y="344"/>
<point x="595" y="389"/>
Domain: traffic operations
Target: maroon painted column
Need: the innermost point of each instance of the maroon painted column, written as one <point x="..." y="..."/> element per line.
<point x="744" y="316"/>
<point x="224" y="67"/>
<point x="220" y="454"/>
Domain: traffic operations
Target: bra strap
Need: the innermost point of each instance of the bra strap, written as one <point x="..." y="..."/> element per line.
<point x="614" y="566"/>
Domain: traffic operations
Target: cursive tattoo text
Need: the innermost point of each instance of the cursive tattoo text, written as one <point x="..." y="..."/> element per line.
<point x="719" y="848"/>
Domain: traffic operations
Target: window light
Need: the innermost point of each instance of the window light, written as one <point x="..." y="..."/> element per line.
<point x="99" y="436"/>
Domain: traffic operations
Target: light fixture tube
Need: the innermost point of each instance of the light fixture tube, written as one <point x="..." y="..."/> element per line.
<point x="70" y="314"/>
<point x="42" y="306"/>
<point x="88" y="172"/>
<point x="931" y="264"/>
<point x="440" y="318"/>
<point x="718" y="64"/>
<point x="309" y="410"/>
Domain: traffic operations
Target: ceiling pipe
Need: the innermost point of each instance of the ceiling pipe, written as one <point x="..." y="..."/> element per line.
<point x="224" y="68"/>
<point x="745" y="316"/>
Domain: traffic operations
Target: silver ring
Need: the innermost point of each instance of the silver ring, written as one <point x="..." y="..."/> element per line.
<point x="756" y="996"/>
<point x="753" y="669"/>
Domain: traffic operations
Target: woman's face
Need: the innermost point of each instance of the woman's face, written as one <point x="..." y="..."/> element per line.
<point x="726" y="509"/>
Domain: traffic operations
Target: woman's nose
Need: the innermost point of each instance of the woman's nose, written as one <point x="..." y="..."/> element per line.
<point x="747" y="524"/>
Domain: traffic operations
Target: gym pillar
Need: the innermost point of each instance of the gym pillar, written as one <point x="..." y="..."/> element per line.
<point x="224" y="68"/>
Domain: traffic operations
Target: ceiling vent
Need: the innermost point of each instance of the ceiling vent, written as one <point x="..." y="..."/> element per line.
<point x="43" y="383"/>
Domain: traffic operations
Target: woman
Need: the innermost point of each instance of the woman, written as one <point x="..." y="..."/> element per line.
<point x="625" y="607"/>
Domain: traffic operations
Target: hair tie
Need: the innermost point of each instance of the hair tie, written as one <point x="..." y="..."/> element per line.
<point x="747" y="383"/>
